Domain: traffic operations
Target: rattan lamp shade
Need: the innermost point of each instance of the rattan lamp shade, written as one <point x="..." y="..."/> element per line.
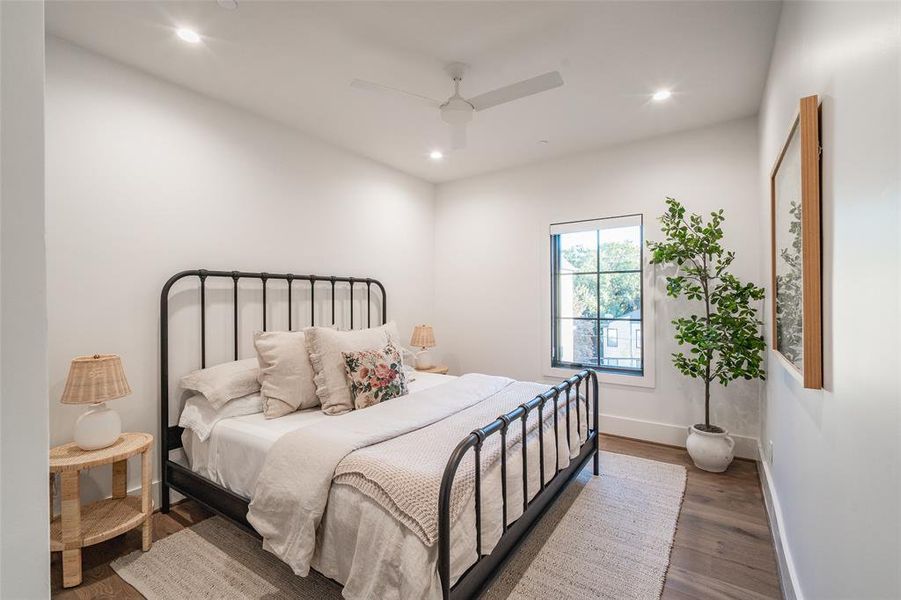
<point x="94" y="379"/>
<point x="423" y="337"/>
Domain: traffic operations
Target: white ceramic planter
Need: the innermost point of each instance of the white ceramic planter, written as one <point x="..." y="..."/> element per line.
<point x="710" y="451"/>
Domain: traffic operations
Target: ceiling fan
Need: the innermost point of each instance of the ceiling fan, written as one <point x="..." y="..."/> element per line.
<point x="457" y="111"/>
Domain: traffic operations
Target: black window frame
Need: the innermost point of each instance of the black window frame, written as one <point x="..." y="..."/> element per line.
<point x="598" y="319"/>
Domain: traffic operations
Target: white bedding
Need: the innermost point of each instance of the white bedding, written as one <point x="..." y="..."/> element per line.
<point x="358" y="543"/>
<point x="234" y="452"/>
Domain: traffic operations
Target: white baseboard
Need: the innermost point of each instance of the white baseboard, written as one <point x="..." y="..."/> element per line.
<point x="788" y="578"/>
<point x="665" y="433"/>
<point x="155" y="494"/>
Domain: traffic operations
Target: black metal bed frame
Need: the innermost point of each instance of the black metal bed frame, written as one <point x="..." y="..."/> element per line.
<point x="178" y="477"/>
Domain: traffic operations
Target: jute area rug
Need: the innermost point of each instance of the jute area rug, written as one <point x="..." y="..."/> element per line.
<point x="606" y="537"/>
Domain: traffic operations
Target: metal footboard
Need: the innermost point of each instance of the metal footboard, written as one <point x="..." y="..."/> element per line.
<point x="476" y="578"/>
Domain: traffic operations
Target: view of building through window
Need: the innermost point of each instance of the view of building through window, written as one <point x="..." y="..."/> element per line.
<point x="596" y="287"/>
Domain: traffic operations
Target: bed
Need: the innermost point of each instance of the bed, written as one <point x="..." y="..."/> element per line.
<point x="493" y="482"/>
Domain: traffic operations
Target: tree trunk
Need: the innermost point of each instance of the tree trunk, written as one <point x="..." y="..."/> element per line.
<point x="707" y="399"/>
<point x="706" y="286"/>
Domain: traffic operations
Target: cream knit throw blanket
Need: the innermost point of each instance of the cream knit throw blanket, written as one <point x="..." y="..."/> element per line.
<point x="395" y="452"/>
<point x="292" y="490"/>
<point x="404" y="474"/>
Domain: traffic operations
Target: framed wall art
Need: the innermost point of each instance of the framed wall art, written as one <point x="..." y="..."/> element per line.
<point x="796" y="251"/>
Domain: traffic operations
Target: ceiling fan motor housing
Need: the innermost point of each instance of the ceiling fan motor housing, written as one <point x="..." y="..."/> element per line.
<point x="457" y="111"/>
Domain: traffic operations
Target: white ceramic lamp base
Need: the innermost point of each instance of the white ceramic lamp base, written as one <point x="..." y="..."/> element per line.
<point x="424" y="360"/>
<point x="98" y="428"/>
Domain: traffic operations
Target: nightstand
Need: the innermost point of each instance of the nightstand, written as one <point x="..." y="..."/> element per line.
<point x="78" y="526"/>
<point x="440" y="369"/>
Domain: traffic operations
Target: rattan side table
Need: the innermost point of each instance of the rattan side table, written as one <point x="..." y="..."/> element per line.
<point x="439" y="369"/>
<point x="78" y="526"/>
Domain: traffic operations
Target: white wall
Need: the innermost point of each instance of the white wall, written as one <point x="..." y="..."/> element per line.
<point x="145" y="179"/>
<point x="24" y="529"/>
<point x="492" y="240"/>
<point x="835" y="468"/>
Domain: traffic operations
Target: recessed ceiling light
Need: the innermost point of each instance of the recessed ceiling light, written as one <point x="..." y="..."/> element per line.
<point x="436" y="155"/>
<point x="188" y="35"/>
<point x="661" y="95"/>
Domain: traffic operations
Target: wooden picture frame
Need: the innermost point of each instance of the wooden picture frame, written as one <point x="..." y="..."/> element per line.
<point x="796" y="270"/>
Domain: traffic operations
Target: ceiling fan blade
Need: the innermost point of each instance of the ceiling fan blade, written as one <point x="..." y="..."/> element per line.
<point x="515" y="91"/>
<point x="370" y="86"/>
<point x="458" y="136"/>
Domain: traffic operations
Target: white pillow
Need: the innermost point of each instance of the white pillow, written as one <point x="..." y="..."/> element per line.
<point x="224" y="382"/>
<point x="200" y="416"/>
<point x="326" y="347"/>
<point x="286" y="375"/>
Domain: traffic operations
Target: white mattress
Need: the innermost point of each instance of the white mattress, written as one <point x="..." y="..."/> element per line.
<point x="234" y="454"/>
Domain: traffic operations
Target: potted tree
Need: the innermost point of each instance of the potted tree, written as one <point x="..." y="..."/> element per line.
<point x="724" y="337"/>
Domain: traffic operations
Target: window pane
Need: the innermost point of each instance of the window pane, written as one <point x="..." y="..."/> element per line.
<point x="620" y="248"/>
<point x="616" y="355"/>
<point x="611" y="335"/>
<point x="577" y="295"/>
<point x="620" y="296"/>
<point x="579" y="252"/>
<point x="577" y="341"/>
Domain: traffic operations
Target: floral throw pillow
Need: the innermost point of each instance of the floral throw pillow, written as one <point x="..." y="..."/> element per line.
<point x="375" y="375"/>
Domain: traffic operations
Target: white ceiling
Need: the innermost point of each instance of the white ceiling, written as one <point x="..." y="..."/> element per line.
<point x="294" y="61"/>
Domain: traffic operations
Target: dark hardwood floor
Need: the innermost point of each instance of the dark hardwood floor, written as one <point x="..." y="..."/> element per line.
<point x="723" y="547"/>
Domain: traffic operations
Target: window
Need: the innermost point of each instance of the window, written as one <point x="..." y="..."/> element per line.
<point x="596" y="294"/>
<point x="612" y="338"/>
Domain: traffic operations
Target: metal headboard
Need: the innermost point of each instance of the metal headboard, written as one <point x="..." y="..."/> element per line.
<point x="171" y="436"/>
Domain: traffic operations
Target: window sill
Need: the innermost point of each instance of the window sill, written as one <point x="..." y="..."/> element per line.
<point x="645" y="381"/>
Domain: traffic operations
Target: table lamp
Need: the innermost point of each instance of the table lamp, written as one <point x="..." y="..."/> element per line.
<point x="94" y="380"/>
<point x="423" y="338"/>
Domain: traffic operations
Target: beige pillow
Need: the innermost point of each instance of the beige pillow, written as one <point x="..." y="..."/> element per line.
<point x="286" y="376"/>
<point x="327" y="348"/>
<point x="225" y="381"/>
